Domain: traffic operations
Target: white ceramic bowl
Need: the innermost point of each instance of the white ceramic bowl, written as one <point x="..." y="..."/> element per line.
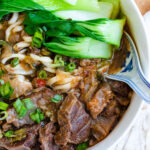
<point x="137" y="27"/>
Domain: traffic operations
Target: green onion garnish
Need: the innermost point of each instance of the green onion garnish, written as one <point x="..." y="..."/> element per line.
<point x="82" y="146"/>
<point x="70" y="67"/>
<point x="28" y="103"/>
<point x="5" y="113"/>
<point x="3" y="106"/>
<point x="3" y="43"/>
<point x="37" y="39"/>
<point x="22" y="112"/>
<point x="57" y="98"/>
<point x="6" y="90"/>
<point x="20" y="109"/>
<point x="37" y="115"/>
<point x="58" y="61"/>
<point x="15" y="62"/>
<point x="9" y="134"/>
<point x="42" y="75"/>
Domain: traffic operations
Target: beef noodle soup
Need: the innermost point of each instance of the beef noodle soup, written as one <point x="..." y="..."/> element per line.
<point x="53" y="96"/>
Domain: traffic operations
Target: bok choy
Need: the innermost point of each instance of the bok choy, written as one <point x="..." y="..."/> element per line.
<point x="106" y="10"/>
<point x="106" y="30"/>
<point x="116" y="7"/>
<point x="79" y="47"/>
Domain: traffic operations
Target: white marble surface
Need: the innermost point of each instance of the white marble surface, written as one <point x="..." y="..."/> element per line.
<point x="138" y="137"/>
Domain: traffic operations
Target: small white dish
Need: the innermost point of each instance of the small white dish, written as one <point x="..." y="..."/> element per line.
<point x="138" y="32"/>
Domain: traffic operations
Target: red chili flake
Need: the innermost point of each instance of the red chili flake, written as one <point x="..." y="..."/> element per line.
<point x="41" y="82"/>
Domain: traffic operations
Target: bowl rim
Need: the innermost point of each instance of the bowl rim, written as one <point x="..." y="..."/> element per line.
<point x="130" y="115"/>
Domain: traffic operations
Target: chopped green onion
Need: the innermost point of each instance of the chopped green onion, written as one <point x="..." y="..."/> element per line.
<point x="9" y="134"/>
<point x="5" y="113"/>
<point x="57" y="98"/>
<point x="2" y="72"/>
<point x="28" y="103"/>
<point x="3" y="43"/>
<point x="42" y="75"/>
<point x="6" y="90"/>
<point x="58" y="61"/>
<point x="22" y="112"/>
<point x="70" y="67"/>
<point x="37" y="39"/>
<point x="20" y="109"/>
<point x="3" y="106"/>
<point x="37" y="115"/>
<point x="2" y="82"/>
<point x="15" y="62"/>
<point x="19" y="135"/>
<point x="82" y="146"/>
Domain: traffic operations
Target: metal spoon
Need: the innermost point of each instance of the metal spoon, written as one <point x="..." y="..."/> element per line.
<point x="132" y="74"/>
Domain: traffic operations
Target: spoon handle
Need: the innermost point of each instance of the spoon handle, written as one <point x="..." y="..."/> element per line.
<point x="141" y="87"/>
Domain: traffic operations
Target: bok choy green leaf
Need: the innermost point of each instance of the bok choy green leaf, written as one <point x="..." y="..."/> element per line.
<point x="54" y="25"/>
<point x="19" y="5"/>
<point x="80" y="47"/>
<point x="40" y="17"/>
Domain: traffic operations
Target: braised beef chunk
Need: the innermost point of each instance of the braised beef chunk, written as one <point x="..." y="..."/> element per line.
<point x="13" y="119"/>
<point x="88" y="85"/>
<point x="102" y="126"/>
<point x="46" y="137"/>
<point x="100" y="100"/>
<point x="106" y="121"/>
<point x="41" y="99"/>
<point x="111" y="109"/>
<point x="74" y="122"/>
<point x="120" y="88"/>
<point x="124" y="101"/>
<point x="24" y="144"/>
